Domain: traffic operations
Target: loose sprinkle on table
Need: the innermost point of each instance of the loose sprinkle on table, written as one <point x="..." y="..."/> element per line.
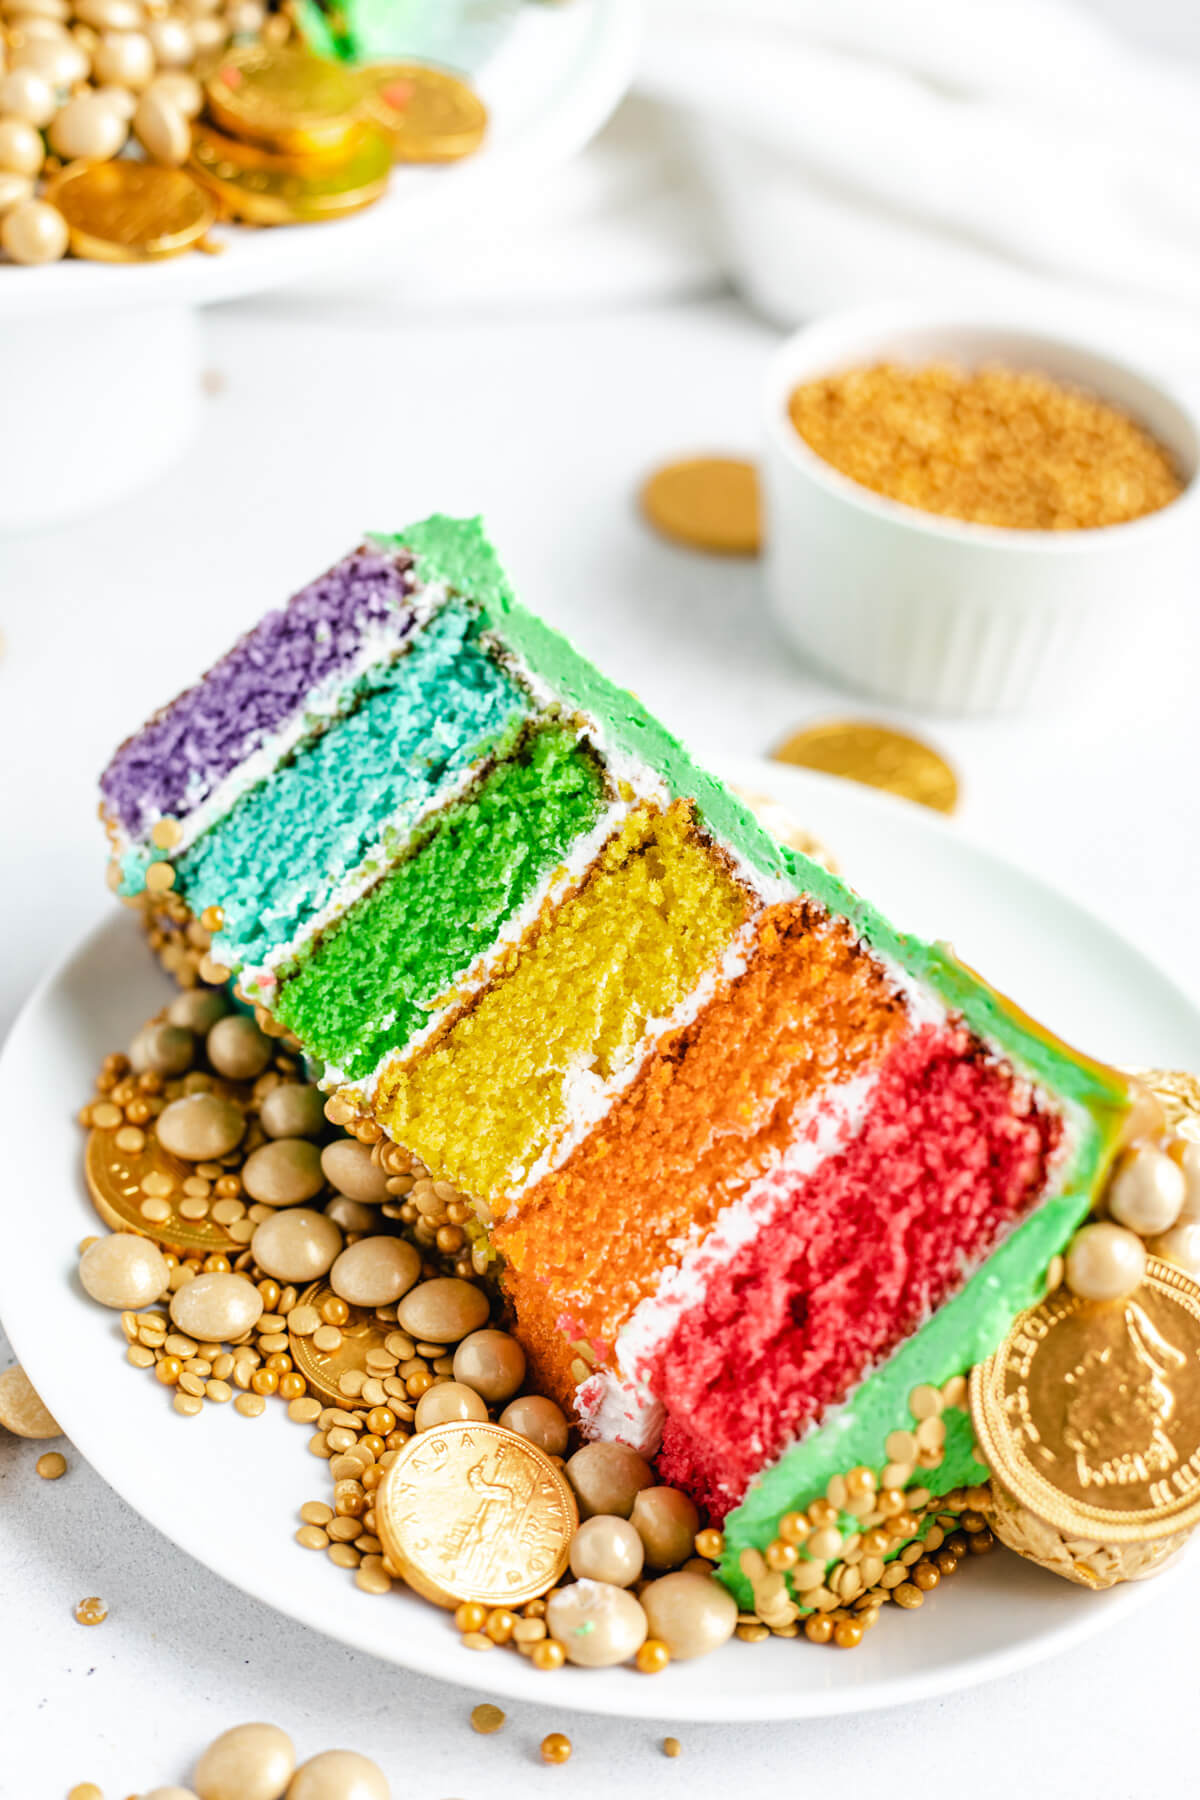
<point x="51" y="1465"/>
<point x="556" y="1748"/>
<point x="91" y="1611"/>
<point x="485" y="1719"/>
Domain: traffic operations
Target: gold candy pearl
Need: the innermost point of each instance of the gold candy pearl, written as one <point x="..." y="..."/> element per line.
<point x="24" y="94"/>
<point x="1147" y="1192"/>
<point x="173" y="42"/>
<point x="21" y="149"/>
<point x="1105" y="1262"/>
<point x="245" y="17"/>
<point x="109" y="15"/>
<point x="162" y="131"/>
<point x="126" y="59"/>
<point x="61" y="63"/>
<point x="185" y="94"/>
<point x="209" y="35"/>
<point x="781" y="1556"/>
<point x="33" y="233"/>
<point x="29" y="28"/>
<point x="42" y="9"/>
<point x="14" y="189"/>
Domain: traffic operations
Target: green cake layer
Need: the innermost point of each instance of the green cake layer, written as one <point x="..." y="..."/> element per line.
<point x="368" y="983"/>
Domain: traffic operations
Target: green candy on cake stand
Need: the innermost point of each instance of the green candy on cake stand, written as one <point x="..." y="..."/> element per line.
<point x="456" y="34"/>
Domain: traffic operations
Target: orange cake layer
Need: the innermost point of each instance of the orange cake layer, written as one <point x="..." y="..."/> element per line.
<point x="711" y="1110"/>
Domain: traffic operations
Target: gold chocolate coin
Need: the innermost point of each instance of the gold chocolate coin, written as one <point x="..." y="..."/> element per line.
<point x="131" y="211"/>
<point x="266" y="189"/>
<point x="877" y="756"/>
<point x="122" y="1182"/>
<point x="474" y="1512"/>
<point x="1089" y="1413"/>
<point x="708" y="503"/>
<point x="431" y="115"/>
<point x="285" y="99"/>
<point x="322" y="1369"/>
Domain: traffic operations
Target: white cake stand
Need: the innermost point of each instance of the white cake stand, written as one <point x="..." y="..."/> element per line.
<point x="99" y="364"/>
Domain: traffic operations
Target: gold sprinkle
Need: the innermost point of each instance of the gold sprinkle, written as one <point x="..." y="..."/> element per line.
<point x="160" y="876"/>
<point x="954" y="1391"/>
<point x="995" y="446"/>
<point x="486" y="1719"/>
<point x="91" y="1611"/>
<point x="671" y="1746"/>
<point x="924" y="1402"/>
<point x="51" y="1465"/>
<point x="166" y="833"/>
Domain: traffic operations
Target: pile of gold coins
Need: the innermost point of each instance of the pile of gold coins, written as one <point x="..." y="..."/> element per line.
<point x="128" y="128"/>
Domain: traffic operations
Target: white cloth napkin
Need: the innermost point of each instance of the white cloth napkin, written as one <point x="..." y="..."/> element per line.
<point x="1007" y="155"/>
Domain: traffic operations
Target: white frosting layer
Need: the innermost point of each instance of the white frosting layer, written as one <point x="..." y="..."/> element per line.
<point x="618" y="1402"/>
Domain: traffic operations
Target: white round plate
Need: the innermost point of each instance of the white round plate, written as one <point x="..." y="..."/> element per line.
<point x="550" y="85"/>
<point x="186" y="1476"/>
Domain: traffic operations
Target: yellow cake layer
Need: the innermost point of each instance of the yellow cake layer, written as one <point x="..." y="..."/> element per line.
<point x="568" y="1007"/>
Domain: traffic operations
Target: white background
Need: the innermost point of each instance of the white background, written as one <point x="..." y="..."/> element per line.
<point x="323" y="426"/>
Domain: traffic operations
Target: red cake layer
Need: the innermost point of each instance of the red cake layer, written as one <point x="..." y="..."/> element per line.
<point x="854" y="1258"/>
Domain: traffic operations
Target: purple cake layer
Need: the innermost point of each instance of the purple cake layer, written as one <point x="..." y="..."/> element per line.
<point x="186" y="750"/>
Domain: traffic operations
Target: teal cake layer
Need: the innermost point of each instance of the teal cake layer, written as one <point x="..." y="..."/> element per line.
<point x="421" y="723"/>
<point x="367" y="984"/>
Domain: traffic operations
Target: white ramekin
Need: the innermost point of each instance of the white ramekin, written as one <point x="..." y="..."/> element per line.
<point x="935" y="612"/>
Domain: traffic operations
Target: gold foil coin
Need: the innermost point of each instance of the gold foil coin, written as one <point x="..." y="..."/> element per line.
<point x="474" y="1512"/>
<point x="708" y="503"/>
<point x="1089" y="1413"/>
<point x="322" y="1369"/>
<point x="121" y="1182"/>
<point x="285" y="99"/>
<point x="876" y="756"/>
<point x="266" y="189"/>
<point x="128" y="211"/>
<point x="431" y="115"/>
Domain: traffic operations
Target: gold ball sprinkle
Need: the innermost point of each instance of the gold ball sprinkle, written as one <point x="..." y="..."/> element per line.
<point x="91" y="1611"/>
<point x="556" y="1747"/>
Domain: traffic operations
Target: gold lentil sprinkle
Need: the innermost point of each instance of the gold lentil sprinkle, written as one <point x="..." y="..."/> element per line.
<point x="51" y="1465"/>
<point x="671" y="1746"/>
<point x="994" y="446"/>
<point x="91" y="1611"/>
<point x="486" y="1719"/>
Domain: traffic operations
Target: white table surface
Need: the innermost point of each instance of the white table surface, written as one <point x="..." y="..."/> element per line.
<point x="319" y="428"/>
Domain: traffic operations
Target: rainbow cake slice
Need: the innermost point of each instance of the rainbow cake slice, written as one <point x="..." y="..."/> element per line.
<point x="753" y="1166"/>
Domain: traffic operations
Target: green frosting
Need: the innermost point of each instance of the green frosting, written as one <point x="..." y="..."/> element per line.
<point x="1096" y="1098"/>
